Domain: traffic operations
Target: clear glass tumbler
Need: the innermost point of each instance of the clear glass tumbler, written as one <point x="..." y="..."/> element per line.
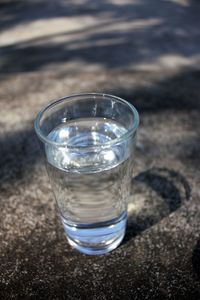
<point x="88" y="141"/>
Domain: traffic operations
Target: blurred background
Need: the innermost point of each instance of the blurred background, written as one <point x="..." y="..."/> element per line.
<point x="145" y="51"/>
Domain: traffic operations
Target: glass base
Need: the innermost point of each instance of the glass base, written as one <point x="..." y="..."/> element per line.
<point x="96" y="240"/>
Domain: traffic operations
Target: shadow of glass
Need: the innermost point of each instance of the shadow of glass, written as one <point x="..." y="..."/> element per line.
<point x="155" y="194"/>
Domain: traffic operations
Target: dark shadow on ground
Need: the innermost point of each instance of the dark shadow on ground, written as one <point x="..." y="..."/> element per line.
<point x="196" y="258"/>
<point x="165" y="33"/>
<point x="155" y="194"/>
<point x="178" y="93"/>
<point x="19" y="152"/>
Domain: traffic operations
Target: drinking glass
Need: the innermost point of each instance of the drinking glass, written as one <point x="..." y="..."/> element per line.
<point x="88" y="142"/>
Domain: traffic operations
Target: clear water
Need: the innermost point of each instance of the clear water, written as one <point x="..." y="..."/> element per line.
<point x="91" y="186"/>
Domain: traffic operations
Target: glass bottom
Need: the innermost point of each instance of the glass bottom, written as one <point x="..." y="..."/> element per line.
<point x="98" y="238"/>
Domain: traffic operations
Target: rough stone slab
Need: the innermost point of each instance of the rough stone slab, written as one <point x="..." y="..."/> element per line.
<point x="147" y="54"/>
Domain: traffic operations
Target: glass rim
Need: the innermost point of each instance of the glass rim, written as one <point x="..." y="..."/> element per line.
<point x="117" y="140"/>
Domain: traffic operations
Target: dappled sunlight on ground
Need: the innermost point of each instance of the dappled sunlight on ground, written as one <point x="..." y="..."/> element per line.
<point x="106" y="34"/>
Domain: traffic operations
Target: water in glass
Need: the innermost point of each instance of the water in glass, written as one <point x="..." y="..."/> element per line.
<point x="91" y="181"/>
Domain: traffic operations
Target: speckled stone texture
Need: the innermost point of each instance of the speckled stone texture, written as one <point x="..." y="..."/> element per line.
<point x="148" y="54"/>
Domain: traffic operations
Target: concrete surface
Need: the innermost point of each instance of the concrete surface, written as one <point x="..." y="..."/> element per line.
<point x="148" y="53"/>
